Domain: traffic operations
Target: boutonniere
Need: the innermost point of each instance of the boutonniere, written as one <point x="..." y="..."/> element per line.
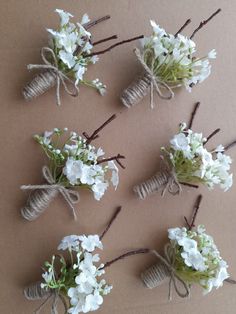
<point x="186" y="161"/>
<point x="66" y="59"/>
<point x="73" y="163"/>
<point x="74" y="278"/>
<point x="168" y="62"/>
<point x="190" y="257"/>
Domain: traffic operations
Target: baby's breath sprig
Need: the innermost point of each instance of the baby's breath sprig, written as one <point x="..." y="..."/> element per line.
<point x="191" y="257"/>
<point x="168" y="62"/>
<point x="68" y="56"/>
<point x="188" y="162"/>
<point x="73" y="163"/>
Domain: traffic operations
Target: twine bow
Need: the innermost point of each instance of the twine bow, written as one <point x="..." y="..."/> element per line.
<point x="70" y="196"/>
<point x="61" y="78"/>
<point x="172" y="186"/>
<point x="169" y="261"/>
<point x="155" y="81"/>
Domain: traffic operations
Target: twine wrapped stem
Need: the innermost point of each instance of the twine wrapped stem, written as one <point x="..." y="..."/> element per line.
<point x="50" y="77"/>
<point x="139" y="88"/>
<point x="164" y="269"/>
<point x="42" y="195"/>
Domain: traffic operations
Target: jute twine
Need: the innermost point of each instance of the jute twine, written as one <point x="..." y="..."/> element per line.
<point x="164" y="269"/>
<point x="46" y="80"/>
<point x="139" y="87"/>
<point x="42" y="195"/>
<point x="35" y="292"/>
<point x="165" y="180"/>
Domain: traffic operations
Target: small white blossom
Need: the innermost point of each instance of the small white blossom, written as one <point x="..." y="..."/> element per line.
<point x="89" y="243"/>
<point x="69" y="243"/>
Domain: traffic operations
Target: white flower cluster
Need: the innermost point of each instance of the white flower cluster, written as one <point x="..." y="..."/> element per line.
<point x="174" y="61"/>
<point x="192" y="161"/>
<point x="71" y="42"/>
<point x="79" y="163"/>
<point x="201" y="258"/>
<point x="86" y="292"/>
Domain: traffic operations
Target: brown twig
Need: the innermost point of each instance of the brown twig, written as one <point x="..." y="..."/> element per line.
<point x="116" y="158"/>
<point x="104" y="40"/>
<point x="140" y="251"/>
<point x="229" y="145"/>
<point x="182" y="27"/>
<point x="196" y="106"/>
<point x="211" y="135"/>
<point x="190" y="185"/>
<point x="95" y="135"/>
<point x="95" y="22"/>
<point x="195" y="211"/>
<point x="111" y="222"/>
<point x="203" y="23"/>
<point x="113" y="46"/>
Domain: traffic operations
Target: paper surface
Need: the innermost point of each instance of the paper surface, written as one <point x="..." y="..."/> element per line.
<point x="138" y="133"/>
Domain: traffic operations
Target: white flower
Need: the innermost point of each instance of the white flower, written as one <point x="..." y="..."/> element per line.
<point x="85" y="19"/>
<point x="69" y="243"/>
<point x="47" y="276"/>
<point x="87" y="175"/>
<point x="188" y="244"/>
<point x="176" y="233"/>
<point x="160" y="32"/>
<point x="115" y="175"/>
<point x="73" y="170"/>
<point x="99" y="189"/>
<point x="180" y="142"/>
<point x="65" y="16"/>
<point x="219" y="149"/>
<point x="212" y="54"/>
<point x="80" y="70"/>
<point x="67" y="58"/>
<point x="93" y="302"/>
<point x="68" y="41"/>
<point x="47" y="137"/>
<point x="193" y="258"/>
<point x="221" y="276"/>
<point x="89" y="243"/>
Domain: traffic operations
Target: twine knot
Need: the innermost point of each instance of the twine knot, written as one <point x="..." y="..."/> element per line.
<point x="156" y="83"/>
<point x="70" y="196"/>
<point x="61" y="78"/>
<point x="169" y="260"/>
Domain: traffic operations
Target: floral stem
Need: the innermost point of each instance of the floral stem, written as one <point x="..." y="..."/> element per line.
<point x="104" y="40"/>
<point x="95" y="133"/>
<point x="190" y="185"/>
<point x="195" y="212"/>
<point x="203" y="23"/>
<point x="140" y="251"/>
<point x="230" y="145"/>
<point x="116" y="158"/>
<point x="95" y="22"/>
<point x="113" y="46"/>
<point x="196" y="106"/>
<point x="183" y="27"/>
<point x="116" y="213"/>
<point x="211" y="135"/>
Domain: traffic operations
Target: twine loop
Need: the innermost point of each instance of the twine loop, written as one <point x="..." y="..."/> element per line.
<point x="156" y="83"/>
<point x="70" y="196"/>
<point x="61" y="78"/>
<point x="169" y="261"/>
<point x="172" y="186"/>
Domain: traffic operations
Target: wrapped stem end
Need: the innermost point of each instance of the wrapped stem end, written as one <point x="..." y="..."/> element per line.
<point x="41" y="83"/>
<point x="136" y="91"/>
<point x="155" y="275"/>
<point x="152" y="185"/>
<point x="37" y="202"/>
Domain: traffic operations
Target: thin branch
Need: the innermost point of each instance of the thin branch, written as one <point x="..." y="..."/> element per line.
<point x="116" y="158"/>
<point x="104" y="40"/>
<point x="182" y="27"/>
<point x="140" y="251"/>
<point x="203" y="23"/>
<point x="196" y="106"/>
<point x="95" y="22"/>
<point x="113" y="46"/>
<point x="230" y="280"/>
<point x="190" y="185"/>
<point x="111" y="222"/>
<point x="230" y="145"/>
<point x="95" y="133"/>
<point x="195" y="212"/>
<point x="211" y="135"/>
